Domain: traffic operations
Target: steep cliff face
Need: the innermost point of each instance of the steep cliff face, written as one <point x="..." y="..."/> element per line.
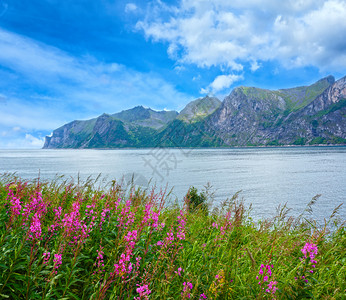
<point x="304" y="115"/>
<point x="130" y="128"/>
<point x="71" y="135"/>
<point x="320" y="122"/>
<point x="249" y="116"/>
<point x="245" y="115"/>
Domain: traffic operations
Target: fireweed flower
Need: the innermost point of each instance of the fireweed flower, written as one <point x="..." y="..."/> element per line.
<point x="125" y="265"/>
<point x="99" y="264"/>
<point x="143" y="292"/>
<point x="265" y="273"/>
<point x="74" y="227"/>
<point x="272" y="287"/>
<point x="203" y="296"/>
<point x="179" y="271"/>
<point x="57" y="216"/>
<point x="35" y="205"/>
<point x="15" y="204"/>
<point x="187" y="288"/>
<point x="35" y="227"/>
<point x="104" y="215"/>
<point x="126" y="218"/>
<point x="57" y="212"/>
<point x="309" y="251"/>
<point x="170" y="237"/>
<point x="46" y="256"/>
<point x="57" y="261"/>
<point x="151" y="217"/>
<point x="181" y="226"/>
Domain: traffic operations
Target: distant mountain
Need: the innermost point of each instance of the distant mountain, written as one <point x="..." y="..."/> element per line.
<point x="198" y="109"/>
<point x="249" y="116"/>
<point x="146" y="117"/>
<point x="130" y="128"/>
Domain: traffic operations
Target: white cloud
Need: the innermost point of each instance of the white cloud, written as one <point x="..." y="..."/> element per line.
<point x="33" y="142"/>
<point x="79" y="88"/>
<point x="229" y="34"/>
<point x="254" y="66"/>
<point x="130" y="7"/>
<point x="27" y="141"/>
<point x="221" y="82"/>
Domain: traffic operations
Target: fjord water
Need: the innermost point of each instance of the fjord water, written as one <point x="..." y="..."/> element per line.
<point x="267" y="176"/>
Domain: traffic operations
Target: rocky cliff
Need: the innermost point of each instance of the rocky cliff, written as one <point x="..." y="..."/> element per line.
<point x="135" y="127"/>
<point x="249" y="116"/>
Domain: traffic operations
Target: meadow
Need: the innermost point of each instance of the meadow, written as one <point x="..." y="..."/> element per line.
<point x="70" y="240"/>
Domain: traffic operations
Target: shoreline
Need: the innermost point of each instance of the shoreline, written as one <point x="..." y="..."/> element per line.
<point x="194" y="148"/>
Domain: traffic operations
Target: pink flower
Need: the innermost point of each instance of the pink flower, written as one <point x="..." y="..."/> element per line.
<point x="16" y="205"/>
<point x="57" y="260"/>
<point x="143" y="292"/>
<point x="202" y="296"/>
<point x="311" y="250"/>
<point x="186" y="290"/>
<point x="179" y="271"/>
<point x="46" y="257"/>
<point x="35" y="227"/>
<point x="272" y="287"/>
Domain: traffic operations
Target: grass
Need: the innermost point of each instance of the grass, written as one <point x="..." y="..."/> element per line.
<point x="65" y="240"/>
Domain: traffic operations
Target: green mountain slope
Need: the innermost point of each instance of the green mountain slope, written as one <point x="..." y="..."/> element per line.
<point x="248" y="116"/>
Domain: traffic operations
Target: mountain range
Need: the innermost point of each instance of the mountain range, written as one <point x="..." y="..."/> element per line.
<point x="248" y="116"/>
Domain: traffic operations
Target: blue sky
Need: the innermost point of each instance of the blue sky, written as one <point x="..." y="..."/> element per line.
<point x="76" y="59"/>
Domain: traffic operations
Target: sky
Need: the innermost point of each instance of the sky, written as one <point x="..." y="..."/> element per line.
<point x="65" y="60"/>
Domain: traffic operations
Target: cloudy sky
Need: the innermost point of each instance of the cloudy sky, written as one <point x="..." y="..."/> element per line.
<point x="76" y="59"/>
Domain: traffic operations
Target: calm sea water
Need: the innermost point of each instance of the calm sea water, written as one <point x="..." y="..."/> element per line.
<point x="267" y="176"/>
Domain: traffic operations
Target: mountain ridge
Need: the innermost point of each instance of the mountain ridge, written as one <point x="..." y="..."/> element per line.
<point x="248" y="116"/>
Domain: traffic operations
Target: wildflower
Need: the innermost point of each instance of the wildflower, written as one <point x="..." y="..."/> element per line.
<point x="181" y="226"/>
<point x="179" y="271"/>
<point x="266" y="270"/>
<point x="186" y="290"/>
<point x="143" y="291"/>
<point x="170" y="237"/>
<point x="16" y="206"/>
<point x="57" y="212"/>
<point x="218" y="283"/>
<point x="311" y="250"/>
<point x="36" y="205"/>
<point x="104" y="215"/>
<point x="99" y="260"/>
<point x="272" y="287"/>
<point x="202" y="296"/>
<point x="46" y="256"/>
<point x="35" y="227"/>
<point x="57" y="261"/>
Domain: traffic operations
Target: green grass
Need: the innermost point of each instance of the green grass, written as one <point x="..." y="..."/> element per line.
<point x="219" y="252"/>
